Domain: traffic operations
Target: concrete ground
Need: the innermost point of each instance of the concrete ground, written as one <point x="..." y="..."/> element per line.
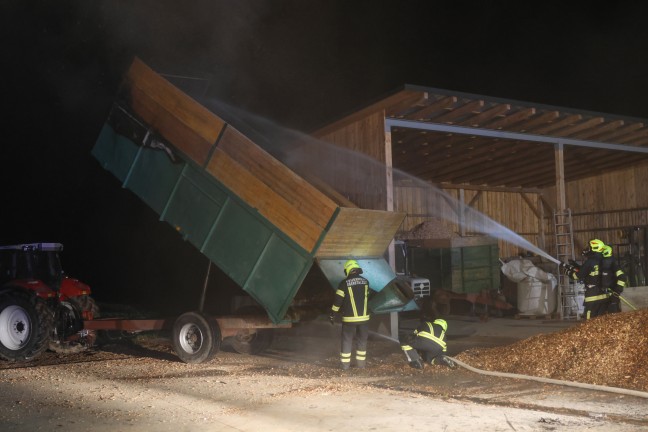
<point x="297" y="386"/>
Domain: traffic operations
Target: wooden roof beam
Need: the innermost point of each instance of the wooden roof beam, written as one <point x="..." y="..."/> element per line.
<point x="616" y="161"/>
<point x="570" y="130"/>
<point x="486" y="116"/>
<point x="499" y="163"/>
<point x="595" y="131"/>
<point x="619" y="133"/>
<point x="461" y="160"/>
<point x="511" y="119"/>
<point x="424" y="113"/>
<point x="542" y="119"/>
<point x="451" y="116"/>
<point x="486" y="188"/>
<point x="569" y="120"/>
<point x="537" y="172"/>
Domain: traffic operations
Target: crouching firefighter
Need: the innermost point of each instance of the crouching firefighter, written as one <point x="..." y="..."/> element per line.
<point x="351" y="301"/>
<point x="427" y="343"/>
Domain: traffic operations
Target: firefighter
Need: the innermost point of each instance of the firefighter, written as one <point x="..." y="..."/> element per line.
<point x="612" y="280"/>
<point x="351" y="301"/>
<point x="427" y="343"/>
<point x="589" y="273"/>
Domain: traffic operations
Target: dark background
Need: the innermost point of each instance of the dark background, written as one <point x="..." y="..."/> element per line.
<point x="300" y="63"/>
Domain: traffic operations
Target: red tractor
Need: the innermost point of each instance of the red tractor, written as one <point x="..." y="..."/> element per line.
<point x="40" y="307"/>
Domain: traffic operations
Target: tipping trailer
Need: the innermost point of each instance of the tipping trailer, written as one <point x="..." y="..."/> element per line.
<point x="251" y="216"/>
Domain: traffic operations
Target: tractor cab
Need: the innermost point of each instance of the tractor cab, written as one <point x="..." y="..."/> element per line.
<point x="32" y="261"/>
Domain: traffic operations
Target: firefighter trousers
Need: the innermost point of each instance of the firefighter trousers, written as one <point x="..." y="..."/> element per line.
<point x="419" y="347"/>
<point x="360" y="333"/>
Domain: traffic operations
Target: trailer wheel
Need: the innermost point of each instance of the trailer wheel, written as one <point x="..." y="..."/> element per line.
<point x="25" y="324"/>
<point x="196" y="338"/>
<point x="68" y="335"/>
<point x="245" y="342"/>
<point x="254" y="343"/>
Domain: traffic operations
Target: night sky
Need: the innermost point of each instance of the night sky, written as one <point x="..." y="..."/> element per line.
<point x="300" y="63"/>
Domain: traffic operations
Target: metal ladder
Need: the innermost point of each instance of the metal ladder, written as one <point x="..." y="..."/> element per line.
<point x="564" y="241"/>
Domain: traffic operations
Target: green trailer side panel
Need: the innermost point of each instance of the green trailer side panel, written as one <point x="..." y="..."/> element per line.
<point x="235" y="237"/>
<point x="194" y="205"/>
<point x="278" y="275"/>
<point x="237" y="242"/>
<point x="153" y="177"/>
<point x="463" y="270"/>
<point x="115" y="152"/>
<point x="475" y="268"/>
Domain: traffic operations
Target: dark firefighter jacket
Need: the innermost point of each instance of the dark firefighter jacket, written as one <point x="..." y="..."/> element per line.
<point x="612" y="276"/>
<point x="351" y="299"/>
<point x="590" y="274"/>
<point x="430" y="333"/>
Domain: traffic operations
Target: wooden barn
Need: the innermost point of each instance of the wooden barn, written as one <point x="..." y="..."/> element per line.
<point x="554" y="176"/>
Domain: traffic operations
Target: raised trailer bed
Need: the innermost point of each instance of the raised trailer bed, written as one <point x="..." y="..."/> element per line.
<point x="258" y="221"/>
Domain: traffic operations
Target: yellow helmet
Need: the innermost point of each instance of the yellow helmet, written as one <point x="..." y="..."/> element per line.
<point x="442" y="323"/>
<point x="351" y="265"/>
<point x="607" y="251"/>
<point x="596" y="245"/>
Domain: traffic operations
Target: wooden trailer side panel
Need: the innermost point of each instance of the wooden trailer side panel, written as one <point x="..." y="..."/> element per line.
<point x="360" y="233"/>
<point x="186" y="124"/>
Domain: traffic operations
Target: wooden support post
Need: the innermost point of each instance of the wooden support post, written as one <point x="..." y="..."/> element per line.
<point x="561" y="200"/>
<point x="389" y="179"/>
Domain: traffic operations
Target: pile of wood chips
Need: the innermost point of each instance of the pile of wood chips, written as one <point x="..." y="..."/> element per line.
<point x="433" y="228"/>
<point x="610" y="350"/>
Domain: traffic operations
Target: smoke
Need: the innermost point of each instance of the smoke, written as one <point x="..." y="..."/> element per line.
<point x="354" y="173"/>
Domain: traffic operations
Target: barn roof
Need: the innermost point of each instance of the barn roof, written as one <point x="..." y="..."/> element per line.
<point x="453" y="138"/>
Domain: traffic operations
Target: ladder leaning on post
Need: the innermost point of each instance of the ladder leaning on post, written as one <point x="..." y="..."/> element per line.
<point x="564" y="241"/>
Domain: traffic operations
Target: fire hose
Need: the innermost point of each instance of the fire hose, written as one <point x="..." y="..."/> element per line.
<point x="554" y="381"/>
<point x="585" y="386"/>
<point x="620" y="297"/>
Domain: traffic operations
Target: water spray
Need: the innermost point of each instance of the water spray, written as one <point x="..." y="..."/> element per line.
<point x="355" y="174"/>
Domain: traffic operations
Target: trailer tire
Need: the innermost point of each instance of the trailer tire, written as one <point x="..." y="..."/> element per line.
<point x="25" y="325"/>
<point x="196" y="338"/>
<point x="257" y="342"/>
<point x="254" y="343"/>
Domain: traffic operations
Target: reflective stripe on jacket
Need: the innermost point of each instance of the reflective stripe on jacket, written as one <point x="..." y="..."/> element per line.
<point x="430" y="334"/>
<point x="352" y="298"/>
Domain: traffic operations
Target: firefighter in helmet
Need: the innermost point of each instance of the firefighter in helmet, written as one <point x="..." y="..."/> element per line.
<point x="351" y="301"/>
<point x="612" y="280"/>
<point x="427" y="343"/>
<point x="590" y="274"/>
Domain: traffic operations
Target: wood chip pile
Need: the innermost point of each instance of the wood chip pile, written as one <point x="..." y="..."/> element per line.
<point x="431" y="229"/>
<point x="610" y="350"/>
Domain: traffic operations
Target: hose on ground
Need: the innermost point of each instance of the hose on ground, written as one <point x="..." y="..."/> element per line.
<point x="553" y="381"/>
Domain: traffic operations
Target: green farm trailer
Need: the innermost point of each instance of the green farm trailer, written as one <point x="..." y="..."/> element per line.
<point x="251" y="216"/>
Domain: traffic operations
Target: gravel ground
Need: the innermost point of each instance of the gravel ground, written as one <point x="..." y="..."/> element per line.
<point x="295" y="386"/>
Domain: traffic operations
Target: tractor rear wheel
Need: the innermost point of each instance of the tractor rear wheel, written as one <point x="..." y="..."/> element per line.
<point x="25" y="325"/>
<point x="196" y="338"/>
<point x="68" y="335"/>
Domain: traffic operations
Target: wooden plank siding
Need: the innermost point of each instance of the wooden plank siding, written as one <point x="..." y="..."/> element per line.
<point x="606" y="205"/>
<point x="367" y="136"/>
<point x="186" y="124"/>
<point x="261" y="196"/>
<point x="305" y="198"/>
<point x="360" y="233"/>
<point x="506" y="208"/>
